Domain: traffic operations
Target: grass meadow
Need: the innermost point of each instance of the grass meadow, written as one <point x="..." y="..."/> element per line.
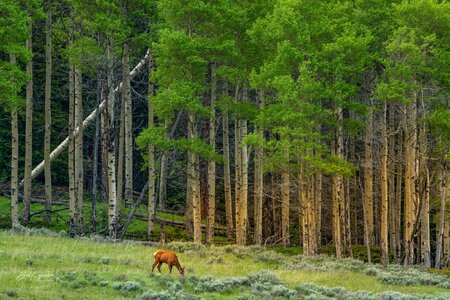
<point x="37" y="264"/>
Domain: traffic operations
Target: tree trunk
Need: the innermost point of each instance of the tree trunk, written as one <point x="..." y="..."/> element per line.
<point x="338" y="191"/>
<point x="212" y="163"/>
<point x="79" y="169"/>
<point x="126" y="94"/>
<point x="285" y="203"/>
<point x="95" y="167"/>
<point x="384" y="190"/>
<point x="71" y="150"/>
<point x="318" y="194"/>
<point x="14" y="162"/>
<point x="441" y="220"/>
<point x="151" y="157"/>
<point x="89" y="119"/>
<point x="258" y="183"/>
<point x="392" y="207"/>
<point x="244" y="187"/>
<point x="193" y="174"/>
<point x="227" y="177"/>
<point x="48" y="115"/>
<point x="121" y="158"/>
<point x="425" y="184"/>
<point x="28" y="129"/>
<point x="368" y="186"/>
<point x="111" y="163"/>
<point x="163" y="173"/>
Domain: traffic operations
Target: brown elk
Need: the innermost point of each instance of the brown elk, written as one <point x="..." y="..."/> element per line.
<point x="170" y="258"/>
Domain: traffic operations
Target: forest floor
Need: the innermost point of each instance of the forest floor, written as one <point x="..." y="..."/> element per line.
<point x="36" y="264"/>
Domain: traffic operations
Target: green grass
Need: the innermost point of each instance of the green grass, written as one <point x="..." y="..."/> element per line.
<point x="46" y="267"/>
<point x="137" y="229"/>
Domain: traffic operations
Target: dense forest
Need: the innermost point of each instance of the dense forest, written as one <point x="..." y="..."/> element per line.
<point x="291" y="122"/>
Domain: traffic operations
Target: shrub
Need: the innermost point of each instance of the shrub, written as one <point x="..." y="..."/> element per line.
<point x="270" y="256"/>
<point x="91" y="278"/>
<point x="105" y="260"/>
<point x="65" y="276"/>
<point x="174" y="292"/>
<point x="103" y="283"/>
<point x="127" y="286"/>
<point x="371" y="272"/>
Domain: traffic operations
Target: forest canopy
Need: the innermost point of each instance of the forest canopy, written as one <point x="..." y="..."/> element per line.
<point x="291" y="122"/>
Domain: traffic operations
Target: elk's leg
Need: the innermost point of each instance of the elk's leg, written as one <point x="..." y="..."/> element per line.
<point x="170" y="269"/>
<point x="159" y="267"/>
<point x="154" y="265"/>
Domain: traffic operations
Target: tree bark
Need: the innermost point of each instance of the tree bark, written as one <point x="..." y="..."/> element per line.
<point x="258" y="182"/>
<point x="28" y="129"/>
<point x="111" y="163"/>
<point x="121" y="158"/>
<point x="244" y="187"/>
<point x="79" y="169"/>
<point x="163" y="173"/>
<point x="71" y="150"/>
<point x="368" y="186"/>
<point x="48" y="115"/>
<point x="441" y="220"/>
<point x="126" y="94"/>
<point x="285" y="203"/>
<point x="14" y="162"/>
<point x="212" y="163"/>
<point x="151" y="157"/>
<point x="193" y="176"/>
<point x="384" y="190"/>
<point x="227" y="177"/>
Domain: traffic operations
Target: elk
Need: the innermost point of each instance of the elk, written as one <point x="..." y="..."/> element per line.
<point x="170" y="258"/>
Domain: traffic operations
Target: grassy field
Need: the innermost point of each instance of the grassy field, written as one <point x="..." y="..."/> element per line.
<point x="33" y="266"/>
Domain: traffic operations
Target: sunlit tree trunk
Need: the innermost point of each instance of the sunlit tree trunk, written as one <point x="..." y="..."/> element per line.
<point x="258" y="184"/>
<point x="14" y="162"/>
<point x="28" y="129"/>
<point x="285" y="207"/>
<point x="368" y="186"/>
<point x="227" y="177"/>
<point x="193" y="174"/>
<point x="244" y="186"/>
<point x="318" y="194"/>
<point x="212" y="163"/>
<point x="48" y="115"/>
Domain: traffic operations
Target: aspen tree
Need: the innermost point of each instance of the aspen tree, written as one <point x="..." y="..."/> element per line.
<point x="28" y="129"/>
<point x="48" y="113"/>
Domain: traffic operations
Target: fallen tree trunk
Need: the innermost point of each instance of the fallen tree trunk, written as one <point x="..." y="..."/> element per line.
<point x="36" y="200"/>
<point x="89" y="119"/>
